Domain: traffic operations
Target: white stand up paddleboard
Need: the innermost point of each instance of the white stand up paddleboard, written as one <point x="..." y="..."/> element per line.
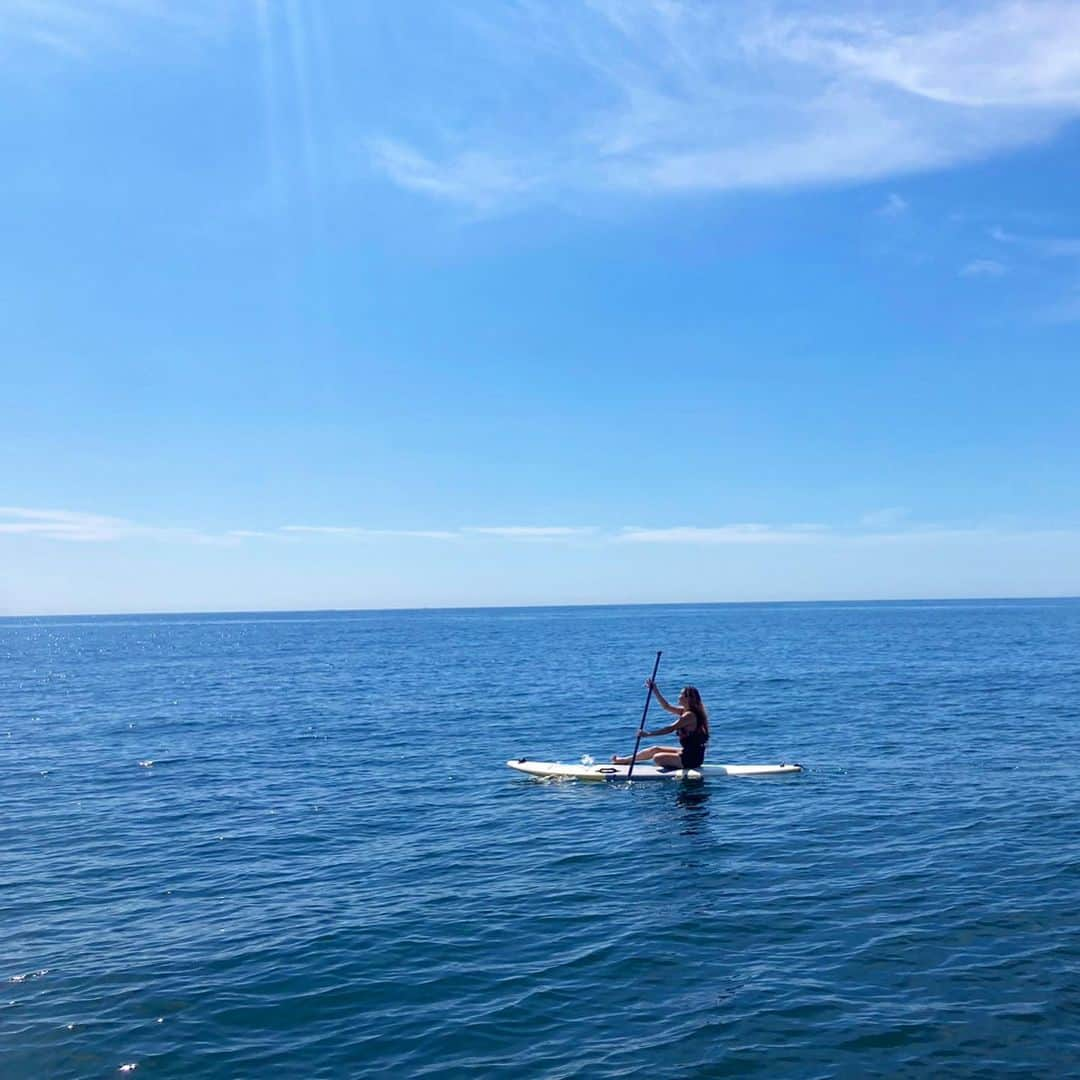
<point x="555" y="769"/>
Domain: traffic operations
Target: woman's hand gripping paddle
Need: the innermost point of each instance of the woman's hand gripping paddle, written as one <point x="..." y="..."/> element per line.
<point x="644" y="714"/>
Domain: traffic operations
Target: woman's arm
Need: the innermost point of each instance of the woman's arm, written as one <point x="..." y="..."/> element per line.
<point x="685" y="718"/>
<point x="664" y="704"/>
<point x="660" y="731"/>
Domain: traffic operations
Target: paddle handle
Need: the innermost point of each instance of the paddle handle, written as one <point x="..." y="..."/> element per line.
<point x="644" y="714"/>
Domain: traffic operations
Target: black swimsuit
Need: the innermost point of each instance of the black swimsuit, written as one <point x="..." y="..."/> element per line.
<point x="693" y="746"/>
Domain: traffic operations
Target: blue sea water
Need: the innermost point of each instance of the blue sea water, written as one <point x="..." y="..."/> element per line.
<point x="288" y="845"/>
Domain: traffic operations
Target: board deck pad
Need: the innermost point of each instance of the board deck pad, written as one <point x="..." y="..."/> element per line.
<point x="557" y="770"/>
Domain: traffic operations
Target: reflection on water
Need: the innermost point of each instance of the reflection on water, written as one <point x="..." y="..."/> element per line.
<point x="692" y="799"/>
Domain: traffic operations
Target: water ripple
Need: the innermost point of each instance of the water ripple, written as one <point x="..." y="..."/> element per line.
<point x="225" y="853"/>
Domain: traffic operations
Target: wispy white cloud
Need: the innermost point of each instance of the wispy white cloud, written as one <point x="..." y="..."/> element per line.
<point x="1012" y="55"/>
<point x="61" y="524"/>
<point x="80" y="527"/>
<point x="499" y="532"/>
<point x="893" y="206"/>
<point x="679" y="95"/>
<point x="533" y="532"/>
<point x="643" y="96"/>
<point x="474" y="178"/>
<point x="83" y="28"/>
<point x="74" y="525"/>
<point x="361" y="533"/>
<point x="983" y="268"/>
<point x="1064" y="310"/>
<point x="925" y="535"/>
<point x="885" y="518"/>
<point x="880" y="528"/>
<point x="1058" y="253"/>
<point x="1050" y="246"/>
<point x="1061" y="247"/>
<point x="721" y="534"/>
<point x="887" y="526"/>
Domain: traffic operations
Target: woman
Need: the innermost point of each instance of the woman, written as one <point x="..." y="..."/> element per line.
<point x="692" y="728"/>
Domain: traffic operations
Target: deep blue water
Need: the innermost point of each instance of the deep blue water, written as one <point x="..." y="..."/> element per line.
<point x="288" y="845"/>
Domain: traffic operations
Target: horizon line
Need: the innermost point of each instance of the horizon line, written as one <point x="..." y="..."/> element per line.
<point x="540" y="607"/>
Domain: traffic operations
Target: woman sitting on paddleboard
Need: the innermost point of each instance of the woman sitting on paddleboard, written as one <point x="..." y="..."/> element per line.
<point x="692" y="728"/>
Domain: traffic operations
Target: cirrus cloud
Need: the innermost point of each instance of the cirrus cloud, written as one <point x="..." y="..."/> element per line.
<point x="661" y="96"/>
<point x="81" y="527"/>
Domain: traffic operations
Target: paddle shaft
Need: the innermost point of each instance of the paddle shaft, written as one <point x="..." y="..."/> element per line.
<point x="644" y="714"/>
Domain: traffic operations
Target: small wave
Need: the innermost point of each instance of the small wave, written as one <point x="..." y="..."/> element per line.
<point x="16" y="979"/>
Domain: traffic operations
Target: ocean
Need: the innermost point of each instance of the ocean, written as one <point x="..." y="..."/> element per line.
<point x="288" y="845"/>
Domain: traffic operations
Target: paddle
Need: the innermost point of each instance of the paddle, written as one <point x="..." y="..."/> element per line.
<point x="644" y="714"/>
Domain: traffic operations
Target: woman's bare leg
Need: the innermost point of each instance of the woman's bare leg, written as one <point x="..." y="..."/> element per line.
<point x="669" y="760"/>
<point x="647" y="755"/>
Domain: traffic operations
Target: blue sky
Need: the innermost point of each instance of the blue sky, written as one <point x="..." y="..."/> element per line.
<point x="312" y="304"/>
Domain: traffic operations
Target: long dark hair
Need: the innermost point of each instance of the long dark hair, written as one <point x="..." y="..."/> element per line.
<point x="697" y="707"/>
